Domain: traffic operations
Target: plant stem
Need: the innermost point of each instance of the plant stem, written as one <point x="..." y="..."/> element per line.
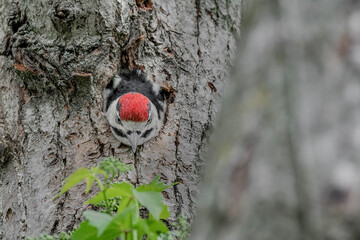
<point x="106" y="202"/>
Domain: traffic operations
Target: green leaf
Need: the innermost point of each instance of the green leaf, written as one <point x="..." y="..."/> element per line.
<point x="89" y="181"/>
<point x="142" y="228"/>
<point x="123" y="203"/>
<point x="134" y="235"/>
<point x="108" y="227"/>
<point x="124" y="218"/>
<point x="157" y="226"/>
<point x="100" y="184"/>
<point x="135" y="215"/>
<point x="99" y="220"/>
<point x="151" y="200"/>
<point x="151" y="228"/>
<point x="74" y="179"/>
<point x="123" y="189"/>
<point x="120" y="223"/>
<point x="154" y="186"/>
<point x="97" y="171"/>
<point x="165" y="213"/>
<point x="85" y="232"/>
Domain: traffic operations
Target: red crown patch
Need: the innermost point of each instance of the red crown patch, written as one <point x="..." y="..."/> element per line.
<point x="134" y="107"/>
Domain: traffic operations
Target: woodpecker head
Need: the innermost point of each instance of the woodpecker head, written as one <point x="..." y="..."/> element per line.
<point x="133" y="113"/>
<point x="132" y="120"/>
<point x="134" y="108"/>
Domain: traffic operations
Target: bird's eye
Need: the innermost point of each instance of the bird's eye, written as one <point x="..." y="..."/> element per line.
<point x="118" y="120"/>
<point x="148" y="121"/>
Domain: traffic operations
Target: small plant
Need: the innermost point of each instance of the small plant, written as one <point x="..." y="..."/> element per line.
<point x="181" y="230"/>
<point x="120" y="202"/>
<point x="61" y="236"/>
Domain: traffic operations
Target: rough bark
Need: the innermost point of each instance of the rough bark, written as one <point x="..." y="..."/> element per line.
<point x="285" y="159"/>
<point x="58" y="56"/>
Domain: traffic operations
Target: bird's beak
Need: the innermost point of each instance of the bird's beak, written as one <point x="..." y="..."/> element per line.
<point x="134" y="139"/>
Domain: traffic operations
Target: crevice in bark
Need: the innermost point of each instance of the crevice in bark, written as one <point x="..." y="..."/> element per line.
<point x="6" y="153"/>
<point x="191" y="202"/>
<point x="205" y="135"/>
<point x="66" y="15"/>
<point x="179" y="200"/>
<point x="59" y="147"/>
<point x="128" y="53"/>
<point x="144" y="4"/>
<point x="177" y="193"/>
<point x="96" y="134"/>
<point x="59" y="212"/>
<point x="20" y="198"/>
<point x="54" y="226"/>
<point x="198" y="17"/>
<point x="16" y="17"/>
<point x="73" y="221"/>
<point x="136" y="169"/>
<point x="191" y="127"/>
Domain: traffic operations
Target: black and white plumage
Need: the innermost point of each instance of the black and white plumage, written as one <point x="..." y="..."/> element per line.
<point x="134" y="107"/>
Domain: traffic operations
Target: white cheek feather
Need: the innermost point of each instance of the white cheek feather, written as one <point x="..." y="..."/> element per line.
<point x="106" y="93"/>
<point x="156" y="88"/>
<point x="117" y="81"/>
<point x="156" y="124"/>
<point x="123" y="140"/>
<point x="111" y="115"/>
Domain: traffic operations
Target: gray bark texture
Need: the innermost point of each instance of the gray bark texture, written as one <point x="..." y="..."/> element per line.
<point x="57" y="56"/>
<point x="284" y="163"/>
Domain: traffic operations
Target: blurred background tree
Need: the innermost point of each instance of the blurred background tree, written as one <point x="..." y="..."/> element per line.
<point x="284" y="162"/>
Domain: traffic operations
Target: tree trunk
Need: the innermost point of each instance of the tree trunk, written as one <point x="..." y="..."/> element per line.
<point x="284" y="163"/>
<point x="57" y="58"/>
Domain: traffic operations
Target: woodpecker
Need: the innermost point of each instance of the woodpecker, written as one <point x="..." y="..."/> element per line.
<point x="134" y="107"/>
